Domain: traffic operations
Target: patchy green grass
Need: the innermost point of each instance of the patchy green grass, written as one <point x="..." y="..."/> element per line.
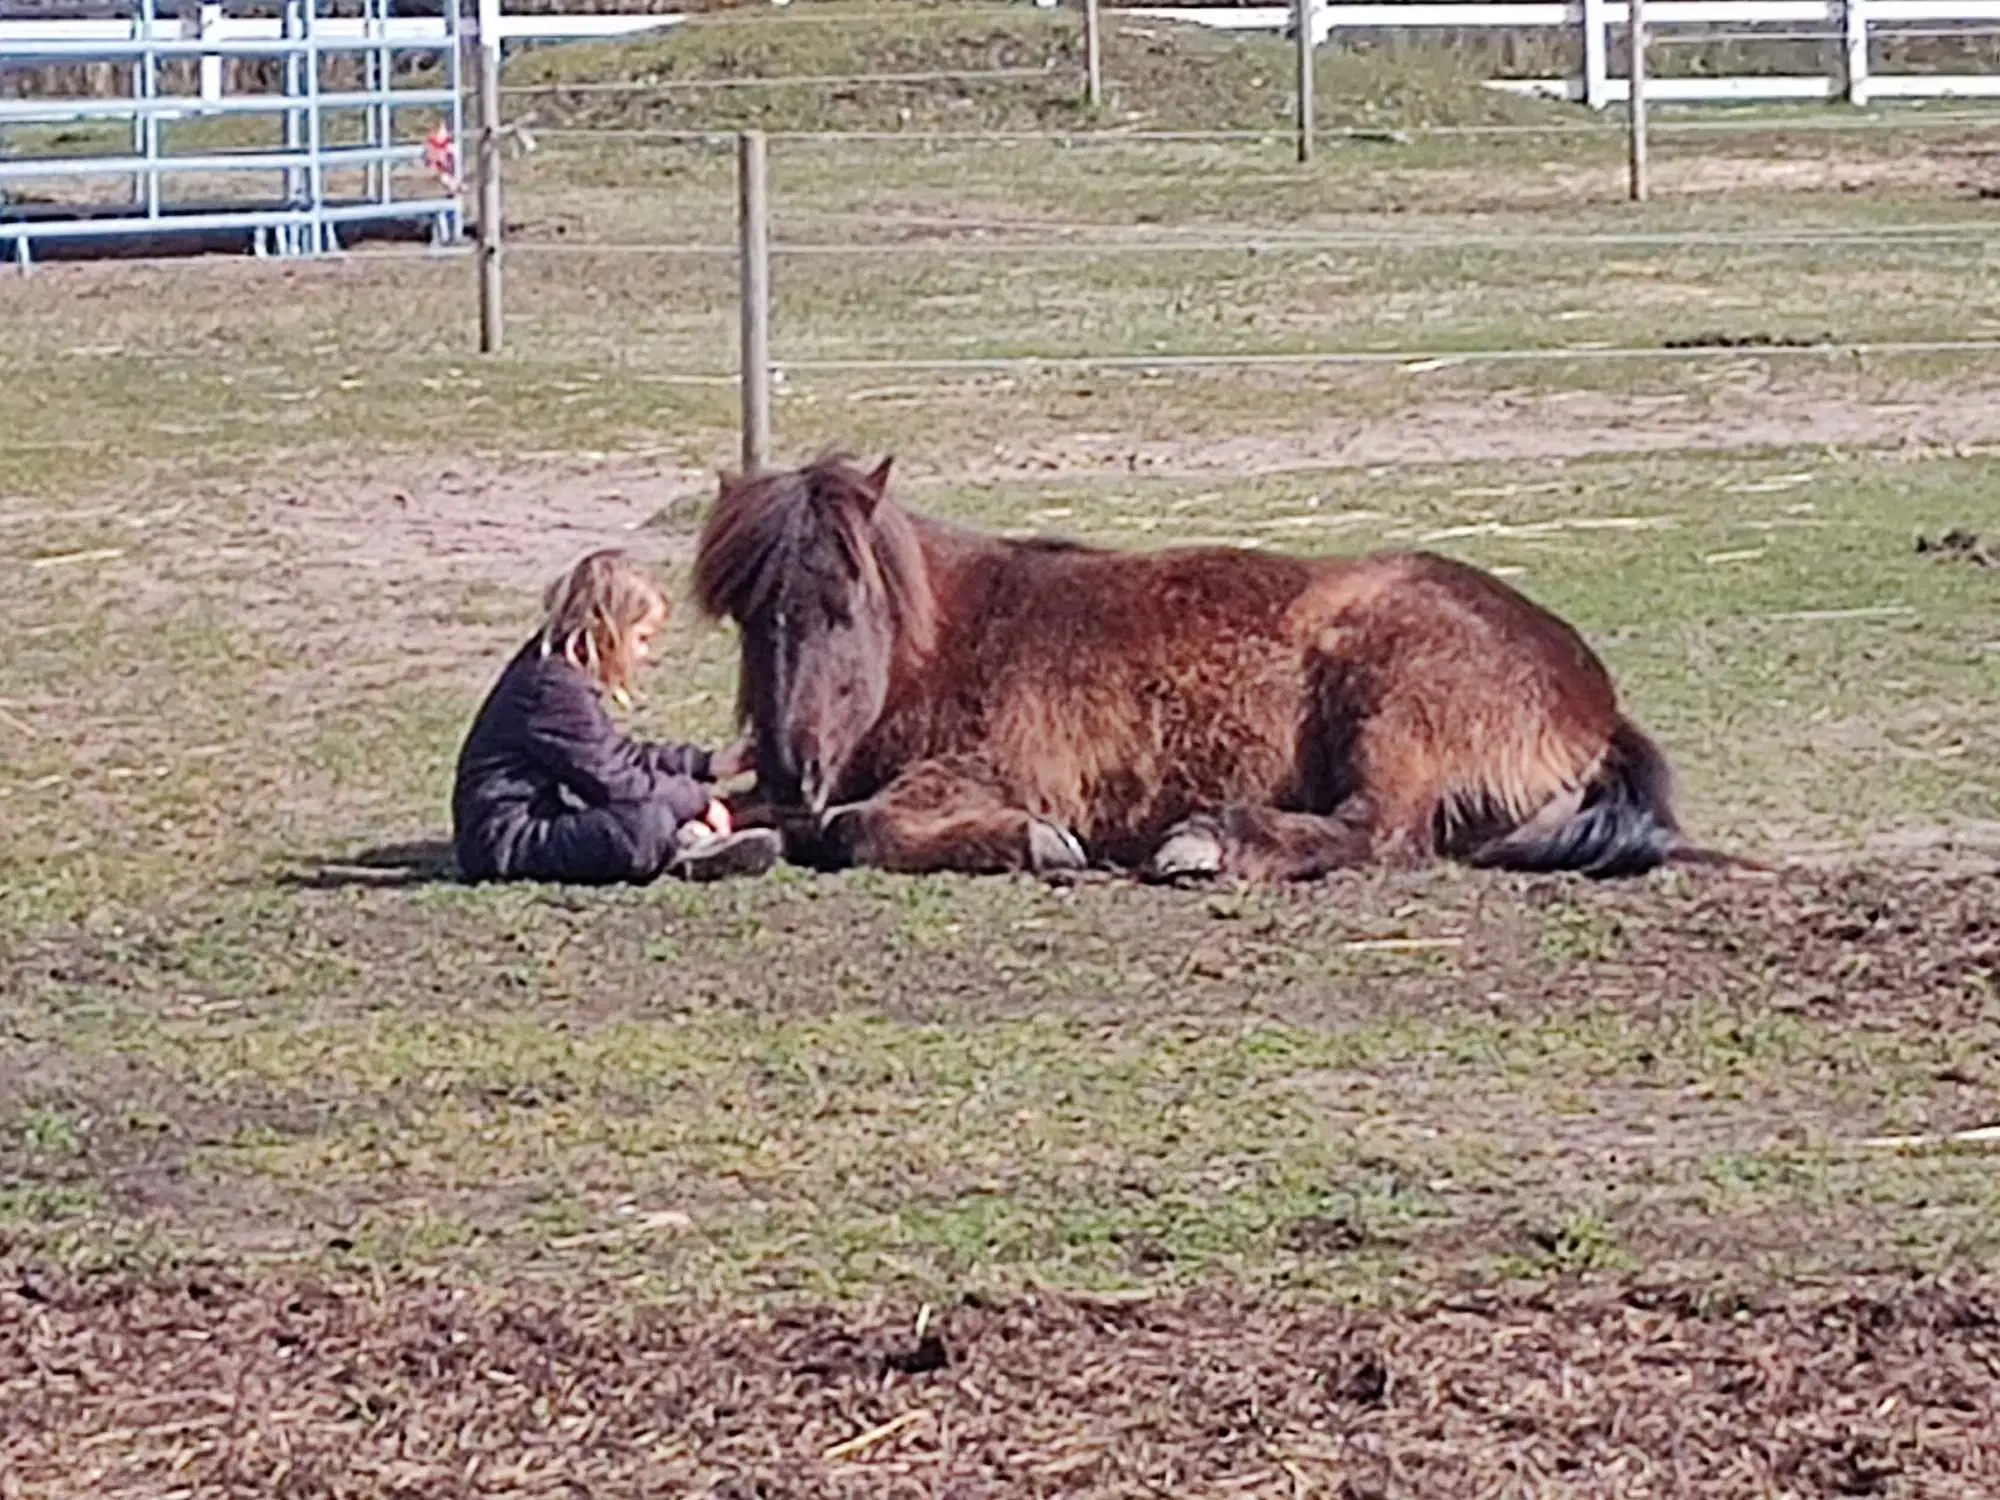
<point x="814" y="1087"/>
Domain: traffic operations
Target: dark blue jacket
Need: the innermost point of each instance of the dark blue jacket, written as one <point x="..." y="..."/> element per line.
<point x="543" y="750"/>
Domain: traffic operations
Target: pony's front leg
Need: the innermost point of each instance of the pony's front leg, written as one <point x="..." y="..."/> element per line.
<point x="946" y="815"/>
<point x="1264" y="844"/>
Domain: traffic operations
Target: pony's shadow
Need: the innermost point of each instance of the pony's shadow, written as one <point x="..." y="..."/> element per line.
<point x="420" y="862"/>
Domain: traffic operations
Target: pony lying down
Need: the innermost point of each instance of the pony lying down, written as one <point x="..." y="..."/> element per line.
<point x="928" y="697"/>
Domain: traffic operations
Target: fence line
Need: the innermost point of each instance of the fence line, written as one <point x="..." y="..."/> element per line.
<point x="784" y="80"/>
<point x="56" y="40"/>
<point x="1360" y="243"/>
<point x="1911" y="119"/>
<point x="368" y="257"/>
<point x="788" y="15"/>
<point x="1085" y="136"/>
<point x="307" y="216"/>
<point x="1416" y="360"/>
<point x="758" y="372"/>
<point x="1912" y="33"/>
<point x="1852" y="22"/>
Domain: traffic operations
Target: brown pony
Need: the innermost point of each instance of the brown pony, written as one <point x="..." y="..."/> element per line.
<point x="927" y="697"/>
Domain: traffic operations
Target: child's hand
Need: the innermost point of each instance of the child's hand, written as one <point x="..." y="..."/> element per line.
<point x="735" y="760"/>
<point x="717" y="817"/>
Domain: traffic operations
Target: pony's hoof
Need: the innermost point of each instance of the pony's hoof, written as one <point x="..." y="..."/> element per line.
<point x="824" y="844"/>
<point x="1053" y="849"/>
<point x="1190" y="853"/>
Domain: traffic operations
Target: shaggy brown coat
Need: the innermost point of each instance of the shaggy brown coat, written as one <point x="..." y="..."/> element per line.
<point x="940" y="694"/>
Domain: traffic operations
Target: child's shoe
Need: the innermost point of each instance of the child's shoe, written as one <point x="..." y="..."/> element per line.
<point x="707" y="855"/>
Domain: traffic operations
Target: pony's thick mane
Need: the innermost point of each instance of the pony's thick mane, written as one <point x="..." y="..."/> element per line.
<point x="760" y="527"/>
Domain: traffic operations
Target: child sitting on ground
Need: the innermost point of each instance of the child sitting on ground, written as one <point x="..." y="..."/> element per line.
<point x="548" y="789"/>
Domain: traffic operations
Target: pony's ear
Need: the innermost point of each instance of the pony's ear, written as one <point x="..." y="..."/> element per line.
<point x="878" y="481"/>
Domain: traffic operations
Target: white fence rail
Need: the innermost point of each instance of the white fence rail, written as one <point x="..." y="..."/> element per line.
<point x="57" y="40"/>
<point x="1855" y="24"/>
<point x="209" y="34"/>
<point x="206" y="33"/>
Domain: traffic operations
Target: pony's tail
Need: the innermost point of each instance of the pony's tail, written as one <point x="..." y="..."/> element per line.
<point x="1621" y="823"/>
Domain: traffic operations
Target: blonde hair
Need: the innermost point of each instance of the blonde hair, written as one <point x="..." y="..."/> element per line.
<point x="593" y="610"/>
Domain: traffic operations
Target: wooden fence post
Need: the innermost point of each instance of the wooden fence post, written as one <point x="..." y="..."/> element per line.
<point x="1595" y="66"/>
<point x="754" y="251"/>
<point x="209" y="21"/>
<point x="492" y="316"/>
<point x="1635" y="32"/>
<point x="1855" y="28"/>
<point x="1093" y="55"/>
<point x="1302" y="18"/>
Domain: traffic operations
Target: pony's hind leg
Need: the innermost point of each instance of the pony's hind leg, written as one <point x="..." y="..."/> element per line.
<point x="1264" y="844"/>
<point x="947" y="814"/>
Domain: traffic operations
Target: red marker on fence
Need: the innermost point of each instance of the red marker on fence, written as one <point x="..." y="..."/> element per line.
<point x="441" y="156"/>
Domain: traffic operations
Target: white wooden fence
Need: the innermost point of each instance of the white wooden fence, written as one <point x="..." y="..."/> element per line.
<point x="95" y="41"/>
<point x="1853" y="23"/>
<point x="29" y="42"/>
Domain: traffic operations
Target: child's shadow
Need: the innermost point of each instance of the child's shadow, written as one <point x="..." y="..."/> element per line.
<point x="421" y="862"/>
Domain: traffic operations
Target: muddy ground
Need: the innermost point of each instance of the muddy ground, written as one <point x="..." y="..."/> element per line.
<point x="200" y="1384"/>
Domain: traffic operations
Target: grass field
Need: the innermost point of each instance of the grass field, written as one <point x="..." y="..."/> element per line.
<point x="321" y="1174"/>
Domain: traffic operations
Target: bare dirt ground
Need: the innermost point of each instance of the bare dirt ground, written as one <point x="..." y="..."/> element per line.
<point x="1754" y="409"/>
<point x="1686" y="168"/>
<point x="443" y="549"/>
<point x="436" y="522"/>
<point x="408" y="534"/>
<point x="201" y="1384"/>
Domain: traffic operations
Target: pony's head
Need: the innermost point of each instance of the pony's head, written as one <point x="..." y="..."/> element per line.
<point x="826" y="579"/>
